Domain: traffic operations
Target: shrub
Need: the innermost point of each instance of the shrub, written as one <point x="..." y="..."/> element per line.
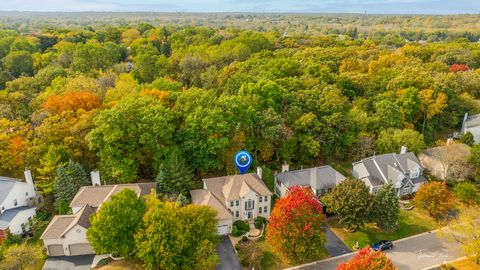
<point x="241" y="225"/>
<point x="259" y="222"/>
<point x="466" y="192"/>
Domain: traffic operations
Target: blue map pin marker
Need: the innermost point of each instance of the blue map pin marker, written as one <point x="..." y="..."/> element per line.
<point x="242" y="160"/>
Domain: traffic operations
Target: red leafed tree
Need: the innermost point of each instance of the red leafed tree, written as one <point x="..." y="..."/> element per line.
<point x="295" y="226"/>
<point x="73" y="101"/>
<point x="368" y="259"/>
<point x="458" y="68"/>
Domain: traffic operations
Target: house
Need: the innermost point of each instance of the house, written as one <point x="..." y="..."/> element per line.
<point x="403" y="170"/>
<point x="65" y="235"/>
<point x="471" y="123"/>
<point x="449" y="161"/>
<point x="321" y="180"/>
<point x="16" y="199"/>
<point x="235" y="197"/>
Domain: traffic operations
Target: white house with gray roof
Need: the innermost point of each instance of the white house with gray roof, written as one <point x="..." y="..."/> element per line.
<point x="16" y="199"/>
<point x="320" y="179"/>
<point x="402" y="170"/>
<point x="471" y="123"/>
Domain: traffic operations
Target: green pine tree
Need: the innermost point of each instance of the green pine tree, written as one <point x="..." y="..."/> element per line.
<point x="386" y="207"/>
<point x="174" y="176"/>
<point x="68" y="180"/>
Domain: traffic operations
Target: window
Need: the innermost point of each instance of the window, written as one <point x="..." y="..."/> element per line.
<point x="15" y="203"/>
<point x="237" y="203"/>
<point x="231" y="204"/>
<point x="266" y="198"/>
<point x="237" y="214"/>
<point x="260" y="199"/>
<point x="329" y="190"/>
<point x="277" y="191"/>
<point x="374" y="190"/>
<point x="260" y="210"/>
<point x="407" y="190"/>
<point x="26" y="193"/>
<point x="265" y="209"/>
<point x="249" y="205"/>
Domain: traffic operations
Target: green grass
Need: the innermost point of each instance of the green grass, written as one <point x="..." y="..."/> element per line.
<point x="410" y="223"/>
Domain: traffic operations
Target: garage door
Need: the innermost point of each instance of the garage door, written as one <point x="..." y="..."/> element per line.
<point x="80" y="249"/>
<point x="222" y="230"/>
<point x="55" y="250"/>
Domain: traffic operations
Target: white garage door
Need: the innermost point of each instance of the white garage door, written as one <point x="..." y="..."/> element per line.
<point x="55" y="250"/>
<point x="222" y="230"/>
<point x="80" y="249"/>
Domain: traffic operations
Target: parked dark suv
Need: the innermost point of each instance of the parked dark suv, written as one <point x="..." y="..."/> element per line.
<point x="382" y="245"/>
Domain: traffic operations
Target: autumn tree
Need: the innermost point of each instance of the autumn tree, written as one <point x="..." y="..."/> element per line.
<point x="432" y="103"/>
<point x="435" y="198"/>
<point x="458" y="68"/>
<point x="69" y="179"/>
<point x="15" y="139"/>
<point x="367" y="259"/>
<point x="295" y="226"/>
<point x="464" y="230"/>
<point x="350" y="202"/>
<point x="453" y="160"/>
<point x="386" y="207"/>
<point x="177" y="237"/>
<point x="114" y="226"/>
<point x="72" y="101"/>
<point x="23" y="256"/>
<point x="391" y="140"/>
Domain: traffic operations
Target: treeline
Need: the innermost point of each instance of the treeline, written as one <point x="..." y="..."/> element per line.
<point x="121" y="99"/>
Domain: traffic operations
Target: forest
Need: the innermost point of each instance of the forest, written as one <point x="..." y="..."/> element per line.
<point x="119" y="95"/>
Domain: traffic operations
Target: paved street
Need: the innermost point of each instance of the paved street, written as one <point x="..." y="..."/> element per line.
<point x="413" y="253"/>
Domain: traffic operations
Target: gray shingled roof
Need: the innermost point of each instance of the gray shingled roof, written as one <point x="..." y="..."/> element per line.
<point x="324" y="177"/>
<point x="7" y="216"/>
<point x="6" y="184"/>
<point x="472" y="121"/>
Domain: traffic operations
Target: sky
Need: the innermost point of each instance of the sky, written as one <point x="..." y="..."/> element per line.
<point x="301" y="6"/>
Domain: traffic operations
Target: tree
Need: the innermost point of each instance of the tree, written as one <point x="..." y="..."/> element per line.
<point x="435" y="198"/>
<point x="350" y="202"/>
<point x="467" y="192"/>
<point x="114" y="226"/>
<point x="295" y="227"/>
<point x="467" y="138"/>
<point x="386" y="207"/>
<point x="474" y="159"/>
<point x="126" y="146"/>
<point x="391" y="140"/>
<point x="69" y="179"/>
<point x="174" y="176"/>
<point x="23" y="256"/>
<point x="72" y="101"/>
<point x="176" y="237"/>
<point x="432" y="103"/>
<point x="458" y="68"/>
<point x="465" y="231"/>
<point x="367" y="259"/>
<point x="19" y="63"/>
<point x="452" y="157"/>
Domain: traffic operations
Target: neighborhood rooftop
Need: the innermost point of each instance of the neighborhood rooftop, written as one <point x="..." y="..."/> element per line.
<point x="61" y="224"/>
<point x="96" y="195"/>
<point x="7" y="216"/>
<point x="317" y="177"/>
<point x="472" y="121"/>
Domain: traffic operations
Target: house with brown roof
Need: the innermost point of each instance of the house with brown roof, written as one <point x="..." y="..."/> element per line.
<point x="235" y="197"/>
<point x="66" y="235"/>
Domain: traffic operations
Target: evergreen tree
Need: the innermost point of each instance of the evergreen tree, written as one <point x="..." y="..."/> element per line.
<point x="166" y="49"/>
<point x="386" y="207"/>
<point x="69" y="179"/>
<point x="174" y="176"/>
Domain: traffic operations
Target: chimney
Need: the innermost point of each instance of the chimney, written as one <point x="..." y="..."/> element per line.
<point x="95" y="178"/>
<point x="29" y="180"/>
<point x="403" y="150"/>
<point x="259" y="172"/>
<point x="285" y="167"/>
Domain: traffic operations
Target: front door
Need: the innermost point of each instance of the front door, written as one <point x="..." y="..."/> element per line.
<point x="249" y="214"/>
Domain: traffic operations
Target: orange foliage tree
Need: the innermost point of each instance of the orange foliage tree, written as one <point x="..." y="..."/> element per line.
<point x="367" y="259"/>
<point x="458" y="68"/>
<point x="295" y="227"/>
<point x="435" y="198"/>
<point x="73" y="101"/>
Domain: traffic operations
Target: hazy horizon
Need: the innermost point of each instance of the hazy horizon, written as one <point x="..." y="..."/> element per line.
<point x="260" y="6"/>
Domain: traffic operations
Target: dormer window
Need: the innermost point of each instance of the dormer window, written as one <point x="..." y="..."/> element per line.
<point x="415" y="172"/>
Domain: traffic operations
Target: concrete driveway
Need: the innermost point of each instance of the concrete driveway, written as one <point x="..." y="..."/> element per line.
<point x="69" y="263"/>
<point x="411" y="253"/>
<point x="335" y="246"/>
<point x="227" y="255"/>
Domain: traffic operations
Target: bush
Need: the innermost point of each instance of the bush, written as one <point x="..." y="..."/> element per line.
<point x="466" y="192"/>
<point x="239" y="228"/>
<point x="259" y="222"/>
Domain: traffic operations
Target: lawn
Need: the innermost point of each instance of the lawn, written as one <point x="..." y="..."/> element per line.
<point x="410" y="223"/>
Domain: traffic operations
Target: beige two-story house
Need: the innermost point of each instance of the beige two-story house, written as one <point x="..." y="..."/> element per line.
<point x="235" y="197"/>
